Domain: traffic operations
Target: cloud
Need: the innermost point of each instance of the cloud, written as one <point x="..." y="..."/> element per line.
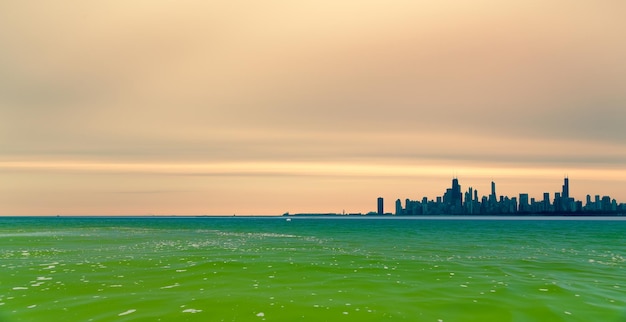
<point x="483" y="84"/>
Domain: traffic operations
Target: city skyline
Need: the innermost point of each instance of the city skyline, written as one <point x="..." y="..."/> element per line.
<point x="456" y="202"/>
<point x="221" y="108"/>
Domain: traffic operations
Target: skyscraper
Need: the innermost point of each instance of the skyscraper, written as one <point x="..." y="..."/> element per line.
<point x="453" y="196"/>
<point x="399" y="207"/>
<point x="546" y="201"/>
<point x="493" y="201"/>
<point x="567" y="203"/>
<point x="523" y="202"/>
<point x="457" y="195"/>
<point x="381" y="209"/>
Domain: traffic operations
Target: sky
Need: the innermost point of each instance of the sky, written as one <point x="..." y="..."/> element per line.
<point x="192" y="107"/>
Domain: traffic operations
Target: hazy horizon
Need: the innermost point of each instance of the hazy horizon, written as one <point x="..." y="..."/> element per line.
<point x="217" y="107"/>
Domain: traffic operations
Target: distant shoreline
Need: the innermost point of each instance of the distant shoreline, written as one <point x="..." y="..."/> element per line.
<point x="342" y="216"/>
<point x="539" y="214"/>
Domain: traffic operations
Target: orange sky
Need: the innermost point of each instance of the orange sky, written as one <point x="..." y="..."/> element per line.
<point x="222" y="107"/>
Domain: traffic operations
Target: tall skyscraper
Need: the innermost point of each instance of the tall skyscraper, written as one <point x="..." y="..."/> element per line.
<point x="565" y="194"/>
<point x="457" y="195"/>
<point x="399" y="207"/>
<point x="381" y="209"/>
<point x="493" y="190"/>
<point x="453" y="198"/>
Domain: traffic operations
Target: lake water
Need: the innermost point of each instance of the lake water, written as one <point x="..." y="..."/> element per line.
<point x="311" y="269"/>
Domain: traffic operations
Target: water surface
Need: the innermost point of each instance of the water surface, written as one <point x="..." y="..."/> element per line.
<point x="311" y="269"/>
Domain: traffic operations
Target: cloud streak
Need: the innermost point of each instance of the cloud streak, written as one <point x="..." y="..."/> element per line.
<point x="321" y="169"/>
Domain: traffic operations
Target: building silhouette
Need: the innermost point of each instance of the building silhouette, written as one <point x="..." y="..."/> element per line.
<point x="381" y="208"/>
<point x="453" y="203"/>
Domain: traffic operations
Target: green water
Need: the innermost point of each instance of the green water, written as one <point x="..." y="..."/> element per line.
<point x="270" y="269"/>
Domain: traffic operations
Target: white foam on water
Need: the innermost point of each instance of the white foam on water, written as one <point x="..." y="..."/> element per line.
<point x="170" y="286"/>
<point x="20" y="288"/>
<point x="31" y="306"/>
<point x="127" y="312"/>
<point x="43" y="278"/>
<point x="543" y="289"/>
<point x="191" y="311"/>
<point x="260" y="314"/>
